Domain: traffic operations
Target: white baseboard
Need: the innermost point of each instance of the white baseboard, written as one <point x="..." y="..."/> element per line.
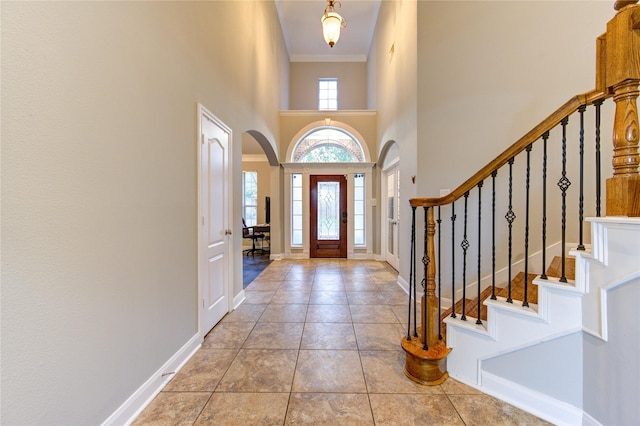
<point x="404" y="285"/>
<point x="133" y="406"/>
<point x="238" y="299"/>
<point x="587" y="420"/>
<point x="536" y="403"/>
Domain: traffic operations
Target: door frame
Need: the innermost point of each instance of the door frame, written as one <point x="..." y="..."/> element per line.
<point x="203" y="111"/>
<point x="301" y="251"/>
<point x="384" y="234"/>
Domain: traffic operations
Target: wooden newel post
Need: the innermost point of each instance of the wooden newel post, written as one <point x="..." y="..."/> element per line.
<point x="622" y="79"/>
<point x="431" y="301"/>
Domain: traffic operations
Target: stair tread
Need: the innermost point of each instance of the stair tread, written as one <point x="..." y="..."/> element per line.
<point x="555" y="268"/>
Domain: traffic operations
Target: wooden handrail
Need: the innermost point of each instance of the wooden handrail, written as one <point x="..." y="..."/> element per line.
<point x="520" y="145"/>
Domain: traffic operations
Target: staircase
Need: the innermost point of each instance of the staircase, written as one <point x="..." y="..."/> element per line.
<point x="568" y="353"/>
<point x="534" y="339"/>
<point x="517" y="291"/>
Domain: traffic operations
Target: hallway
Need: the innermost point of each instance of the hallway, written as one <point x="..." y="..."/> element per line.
<point x="317" y="342"/>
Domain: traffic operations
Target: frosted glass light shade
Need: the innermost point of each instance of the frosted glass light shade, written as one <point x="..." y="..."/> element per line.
<point x="331" y="24"/>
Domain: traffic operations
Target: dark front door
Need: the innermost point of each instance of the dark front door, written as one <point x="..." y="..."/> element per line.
<point x="328" y="216"/>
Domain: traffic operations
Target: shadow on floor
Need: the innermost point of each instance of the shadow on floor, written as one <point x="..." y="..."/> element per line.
<point x="252" y="265"/>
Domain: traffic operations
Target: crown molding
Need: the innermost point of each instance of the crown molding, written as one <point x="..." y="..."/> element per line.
<point x="329" y="113"/>
<point x="255" y="158"/>
<point x="327" y="58"/>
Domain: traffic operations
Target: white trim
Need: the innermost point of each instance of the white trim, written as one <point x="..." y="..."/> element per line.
<point x="587" y="420"/>
<point x="142" y="397"/>
<point x="338" y="113"/>
<point x="604" y="310"/>
<point x="254" y="158"/>
<point x="540" y="405"/>
<point x="393" y="163"/>
<point x="238" y="299"/>
<point x="328" y="58"/>
<point x="404" y="284"/>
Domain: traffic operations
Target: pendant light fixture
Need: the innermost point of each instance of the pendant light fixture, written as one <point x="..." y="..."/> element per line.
<point x="332" y="22"/>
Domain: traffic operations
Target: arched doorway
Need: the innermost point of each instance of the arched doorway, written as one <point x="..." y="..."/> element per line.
<point x="260" y="194"/>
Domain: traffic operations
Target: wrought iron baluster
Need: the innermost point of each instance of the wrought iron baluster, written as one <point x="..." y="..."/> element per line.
<point x="510" y="216"/>
<point x="412" y="265"/>
<point x="564" y="184"/>
<point x="525" y="302"/>
<point x="453" y="260"/>
<point x="439" y="222"/>
<point x="425" y="262"/>
<point x="493" y="237"/>
<point x="581" y="110"/>
<point x="478" y="320"/>
<point x="598" y="104"/>
<point x="465" y="246"/>
<point x="545" y="138"/>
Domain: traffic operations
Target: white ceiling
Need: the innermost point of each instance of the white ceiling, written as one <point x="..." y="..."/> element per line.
<point x="302" y="30"/>
<point x="300" y="21"/>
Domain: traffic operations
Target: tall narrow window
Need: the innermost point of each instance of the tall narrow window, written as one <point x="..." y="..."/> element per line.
<point x="328" y="94"/>
<point x="250" y="197"/>
<point x="296" y="209"/>
<point x="358" y="210"/>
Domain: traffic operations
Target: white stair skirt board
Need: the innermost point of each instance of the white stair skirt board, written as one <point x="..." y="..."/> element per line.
<point x="133" y="406"/>
<point x="509" y="327"/>
<point x="562" y="309"/>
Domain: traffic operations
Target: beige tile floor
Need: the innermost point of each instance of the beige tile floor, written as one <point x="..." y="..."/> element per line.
<point x="317" y="342"/>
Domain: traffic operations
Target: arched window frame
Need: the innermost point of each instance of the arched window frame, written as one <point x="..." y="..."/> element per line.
<point x="308" y="144"/>
<point x="305" y="170"/>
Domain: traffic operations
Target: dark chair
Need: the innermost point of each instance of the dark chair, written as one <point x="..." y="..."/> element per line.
<point x="248" y="232"/>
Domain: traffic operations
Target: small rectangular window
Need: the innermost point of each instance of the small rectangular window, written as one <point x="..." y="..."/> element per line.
<point x="296" y="209"/>
<point x="250" y="197"/>
<point x="328" y="94"/>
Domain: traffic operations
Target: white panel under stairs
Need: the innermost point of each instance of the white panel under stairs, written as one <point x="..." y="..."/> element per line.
<point x="562" y="309"/>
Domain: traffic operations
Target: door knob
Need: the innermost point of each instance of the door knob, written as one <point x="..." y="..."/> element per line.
<point x="227" y="232"/>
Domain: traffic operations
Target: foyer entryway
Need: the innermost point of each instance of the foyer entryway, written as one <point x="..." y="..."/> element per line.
<point x="316" y="342"/>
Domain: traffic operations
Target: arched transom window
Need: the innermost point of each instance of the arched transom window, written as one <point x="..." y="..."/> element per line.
<point x="328" y="145"/>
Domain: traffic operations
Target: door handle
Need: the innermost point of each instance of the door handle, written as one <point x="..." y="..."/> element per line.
<point x="227" y="232"/>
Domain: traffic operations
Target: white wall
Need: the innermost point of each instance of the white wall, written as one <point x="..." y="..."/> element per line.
<point x="99" y="281"/>
<point x="489" y="71"/>
<point x="392" y="72"/>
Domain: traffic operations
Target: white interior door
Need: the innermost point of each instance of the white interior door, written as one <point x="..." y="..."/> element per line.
<point x="392" y="205"/>
<point x="214" y="236"/>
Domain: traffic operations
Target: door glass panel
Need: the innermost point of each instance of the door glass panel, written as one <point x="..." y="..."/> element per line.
<point x="358" y="209"/>
<point x="296" y="209"/>
<point x="391" y="212"/>
<point x="390" y="231"/>
<point x="390" y="196"/>
<point x="328" y="210"/>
